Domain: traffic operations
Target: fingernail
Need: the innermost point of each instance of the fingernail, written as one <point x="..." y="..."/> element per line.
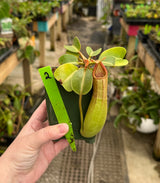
<point x="63" y="128"/>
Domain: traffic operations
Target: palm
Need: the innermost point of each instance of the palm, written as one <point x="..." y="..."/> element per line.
<point x="33" y="149"/>
<point x="42" y="160"/>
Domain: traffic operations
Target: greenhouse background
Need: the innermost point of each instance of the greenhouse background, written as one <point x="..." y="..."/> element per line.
<point x="120" y="36"/>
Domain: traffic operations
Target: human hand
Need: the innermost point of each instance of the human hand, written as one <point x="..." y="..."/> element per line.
<point x="27" y="158"/>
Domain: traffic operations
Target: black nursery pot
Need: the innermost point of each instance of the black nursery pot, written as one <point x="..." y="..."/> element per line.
<point x="5" y="52"/>
<point x="155" y="49"/>
<point x="71" y="102"/>
<point x="142" y="37"/>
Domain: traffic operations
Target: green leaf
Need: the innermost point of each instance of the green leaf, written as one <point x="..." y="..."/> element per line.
<point x="64" y="74"/>
<point x="71" y="48"/>
<point x="136" y="118"/>
<point x="132" y="108"/>
<point x="77" y="43"/>
<point x="92" y="53"/>
<point x="10" y="128"/>
<point x="20" y="54"/>
<point x="118" y="119"/>
<point x="82" y="81"/>
<point x="89" y="50"/>
<point x="153" y="115"/>
<point x="29" y="53"/>
<point x="17" y="104"/>
<point x="109" y="61"/>
<point x="72" y="53"/>
<point x="95" y="53"/>
<point x="120" y="62"/>
<point x="118" y="52"/>
<point x="108" y="64"/>
<point x="4" y="10"/>
<point x="67" y="58"/>
<point x="152" y="107"/>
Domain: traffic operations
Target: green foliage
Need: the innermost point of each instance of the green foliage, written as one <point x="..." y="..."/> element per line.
<point x="82" y="81"/>
<point x="20" y="26"/>
<point x="64" y="75"/>
<point x="157" y="28"/>
<point x="79" y="78"/>
<point x="71" y="49"/>
<point x="155" y="35"/>
<point x="139" y="102"/>
<point x="12" y="113"/>
<point x="118" y="52"/>
<point x="106" y="13"/>
<point x="142" y="10"/>
<point x="28" y="53"/>
<point x="77" y="43"/>
<point x="76" y="74"/>
<point x="5" y="43"/>
<point x="92" y="53"/>
<point x="26" y="50"/>
<point x="4" y="10"/>
<point x="147" y="29"/>
<point x="68" y="58"/>
<point x="33" y="8"/>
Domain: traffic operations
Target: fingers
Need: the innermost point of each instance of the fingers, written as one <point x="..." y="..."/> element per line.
<point x="48" y="133"/>
<point x="41" y="112"/>
<point x="60" y="145"/>
<point x="38" y="117"/>
<point x="57" y="148"/>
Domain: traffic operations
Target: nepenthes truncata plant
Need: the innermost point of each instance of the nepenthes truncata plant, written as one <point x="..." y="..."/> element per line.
<point x="79" y="74"/>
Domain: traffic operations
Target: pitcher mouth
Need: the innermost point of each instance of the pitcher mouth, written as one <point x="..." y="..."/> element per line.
<point x="99" y="71"/>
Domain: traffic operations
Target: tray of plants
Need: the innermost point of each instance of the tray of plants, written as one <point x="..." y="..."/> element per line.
<point x="6" y="48"/>
<point x="154" y="42"/>
<point x="143" y="34"/>
<point x="12" y="112"/>
<point x="141" y="14"/>
<point x="82" y="83"/>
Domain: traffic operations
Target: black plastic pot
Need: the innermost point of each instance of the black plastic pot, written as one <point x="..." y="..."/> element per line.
<point x="71" y="102"/>
<point x="92" y="10"/>
<point x="139" y="20"/>
<point x="155" y="49"/>
<point x="142" y="37"/>
<point x="5" y="52"/>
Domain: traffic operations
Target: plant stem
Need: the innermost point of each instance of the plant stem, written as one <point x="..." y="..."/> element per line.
<point x="20" y="116"/>
<point x="80" y="101"/>
<point x="82" y="56"/>
<point x="81" y="110"/>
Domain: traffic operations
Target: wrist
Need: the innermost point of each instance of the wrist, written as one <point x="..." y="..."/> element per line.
<point x="7" y="173"/>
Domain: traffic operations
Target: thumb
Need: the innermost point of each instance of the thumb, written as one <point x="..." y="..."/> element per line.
<point x="48" y="133"/>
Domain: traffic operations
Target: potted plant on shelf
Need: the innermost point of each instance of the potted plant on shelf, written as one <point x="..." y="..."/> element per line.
<point x="76" y="76"/>
<point x="25" y="40"/>
<point x="140" y="14"/>
<point x="154" y="42"/>
<point x="6" y="48"/>
<point x="42" y="10"/>
<point x="128" y="80"/>
<point x="140" y="108"/>
<point x="155" y="37"/>
<point x="143" y="34"/>
<point x="12" y="112"/>
<point x="120" y="85"/>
